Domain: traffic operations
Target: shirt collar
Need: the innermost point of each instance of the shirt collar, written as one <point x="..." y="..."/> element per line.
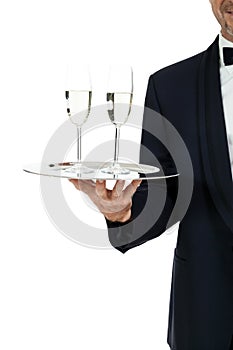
<point x="224" y="43"/>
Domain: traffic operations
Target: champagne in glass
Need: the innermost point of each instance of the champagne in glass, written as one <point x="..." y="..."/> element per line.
<point x="119" y="99"/>
<point x="78" y="106"/>
<point x="119" y="104"/>
<point x="78" y="96"/>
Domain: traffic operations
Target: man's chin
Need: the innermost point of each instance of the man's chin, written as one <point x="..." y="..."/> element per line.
<point x="229" y="31"/>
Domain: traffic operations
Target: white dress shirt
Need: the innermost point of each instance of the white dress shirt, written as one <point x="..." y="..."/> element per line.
<point x="226" y="78"/>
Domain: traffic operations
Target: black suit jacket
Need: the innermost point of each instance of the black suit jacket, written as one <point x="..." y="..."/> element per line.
<point x="188" y="94"/>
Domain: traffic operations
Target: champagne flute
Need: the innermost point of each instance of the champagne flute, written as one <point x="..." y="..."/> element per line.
<point x="119" y="100"/>
<point x="78" y="95"/>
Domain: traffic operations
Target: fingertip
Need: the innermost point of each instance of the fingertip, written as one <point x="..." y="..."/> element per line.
<point x="121" y="183"/>
<point x="137" y="182"/>
<point x="118" y="187"/>
<point x="100" y="181"/>
<point x="73" y="181"/>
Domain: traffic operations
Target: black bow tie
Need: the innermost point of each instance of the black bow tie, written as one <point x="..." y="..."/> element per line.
<point x="228" y="56"/>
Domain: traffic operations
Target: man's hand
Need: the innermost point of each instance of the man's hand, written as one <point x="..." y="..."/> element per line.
<point x="114" y="204"/>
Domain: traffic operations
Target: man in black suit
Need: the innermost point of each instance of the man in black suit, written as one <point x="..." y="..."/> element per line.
<point x="196" y="96"/>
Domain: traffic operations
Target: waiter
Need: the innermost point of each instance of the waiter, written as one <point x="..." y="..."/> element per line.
<point x="196" y="96"/>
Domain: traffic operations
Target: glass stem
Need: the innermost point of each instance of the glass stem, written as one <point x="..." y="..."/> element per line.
<point x="78" y="144"/>
<point x="117" y="139"/>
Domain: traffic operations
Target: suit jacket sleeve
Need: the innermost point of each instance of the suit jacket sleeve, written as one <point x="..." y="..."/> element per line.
<point x="148" y="220"/>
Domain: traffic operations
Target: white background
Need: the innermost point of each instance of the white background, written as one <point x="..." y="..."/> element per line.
<point x="56" y="294"/>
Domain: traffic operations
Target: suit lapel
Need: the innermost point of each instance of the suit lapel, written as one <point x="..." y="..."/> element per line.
<point x="213" y="139"/>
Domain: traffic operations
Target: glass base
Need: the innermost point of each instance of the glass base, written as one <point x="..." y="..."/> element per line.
<point x="78" y="169"/>
<point x="115" y="169"/>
